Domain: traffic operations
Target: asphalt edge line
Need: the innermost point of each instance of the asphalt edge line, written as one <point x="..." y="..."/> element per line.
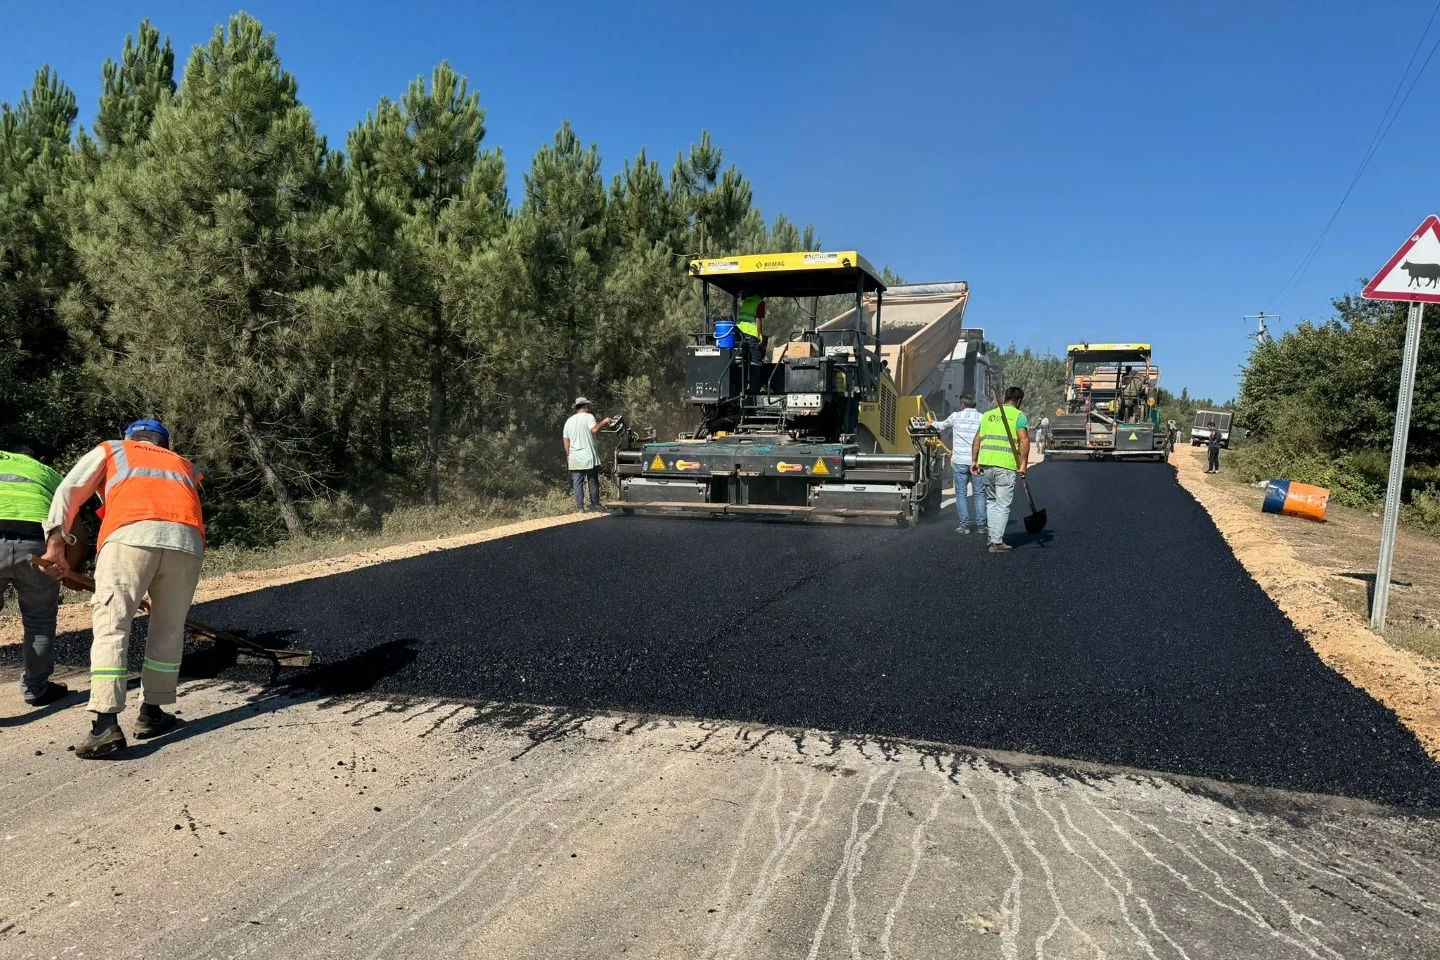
<point x="76" y="616"/>
<point x="234" y="584"/>
<point x="1404" y="682"/>
<point x="1231" y="793"/>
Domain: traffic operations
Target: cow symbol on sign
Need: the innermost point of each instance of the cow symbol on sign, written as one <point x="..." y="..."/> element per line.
<point x="1422" y="271"/>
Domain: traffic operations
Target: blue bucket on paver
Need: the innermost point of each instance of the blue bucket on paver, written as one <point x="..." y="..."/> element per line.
<point x="724" y="333"/>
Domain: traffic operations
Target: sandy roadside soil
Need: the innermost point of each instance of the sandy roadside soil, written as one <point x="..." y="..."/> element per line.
<point x="76" y="616"/>
<point x="1403" y="681"/>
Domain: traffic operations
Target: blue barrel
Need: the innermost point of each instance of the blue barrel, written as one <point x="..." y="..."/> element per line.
<point x="1275" y="494"/>
<point x="724" y="333"/>
<point x="1296" y="500"/>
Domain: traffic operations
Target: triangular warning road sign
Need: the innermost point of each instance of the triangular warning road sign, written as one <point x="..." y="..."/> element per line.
<point x="1413" y="274"/>
<point x="820" y="467"/>
<point x="657" y="463"/>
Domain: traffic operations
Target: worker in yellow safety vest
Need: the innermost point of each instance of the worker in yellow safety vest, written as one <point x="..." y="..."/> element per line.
<point x="993" y="457"/>
<point x="749" y="319"/>
<point x="26" y="489"/>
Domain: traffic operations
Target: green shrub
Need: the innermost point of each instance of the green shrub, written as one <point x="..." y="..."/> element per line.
<point x="1423" y="510"/>
<point x="1347" y="484"/>
<point x="245" y="524"/>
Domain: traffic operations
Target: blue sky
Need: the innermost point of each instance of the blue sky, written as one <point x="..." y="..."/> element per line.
<point x="1110" y="169"/>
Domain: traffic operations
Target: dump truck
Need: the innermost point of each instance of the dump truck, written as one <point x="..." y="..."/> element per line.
<point x="828" y="425"/>
<point x="966" y="372"/>
<point x="1200" y="432"/>
<point x="1109" y="410"/>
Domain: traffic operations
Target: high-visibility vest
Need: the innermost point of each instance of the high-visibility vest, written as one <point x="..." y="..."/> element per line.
<point x="748" y="322"/>
<point x="26" y="488"/>
<point x="995" y="449"/>
<point x="146" y="482"/>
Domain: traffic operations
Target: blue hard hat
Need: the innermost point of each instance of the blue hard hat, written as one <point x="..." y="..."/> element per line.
<point x="151" y="426"/>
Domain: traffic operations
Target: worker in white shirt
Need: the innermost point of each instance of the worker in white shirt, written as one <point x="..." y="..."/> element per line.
<point x="963" y="425"/>
<point x="581" y="454"/>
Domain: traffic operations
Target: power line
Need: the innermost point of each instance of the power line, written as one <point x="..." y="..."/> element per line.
<point x="1387" y="120"/>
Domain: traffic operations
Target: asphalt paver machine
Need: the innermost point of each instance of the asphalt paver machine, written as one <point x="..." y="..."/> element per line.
<point x="811" y="428"/>
<point x="1109" y="412"/>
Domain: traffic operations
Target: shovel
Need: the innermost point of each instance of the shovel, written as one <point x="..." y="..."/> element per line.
<point x="1036" y="521"/>
<point x="280" y="658"/>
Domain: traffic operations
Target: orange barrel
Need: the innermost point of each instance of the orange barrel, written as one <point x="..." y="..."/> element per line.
<point x="1296" y="500"/>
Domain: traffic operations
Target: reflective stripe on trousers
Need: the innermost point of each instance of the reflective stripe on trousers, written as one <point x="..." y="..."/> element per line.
<point x="123" y="576"/>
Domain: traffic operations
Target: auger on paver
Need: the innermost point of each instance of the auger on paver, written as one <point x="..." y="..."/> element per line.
<point x="276" y="655"/>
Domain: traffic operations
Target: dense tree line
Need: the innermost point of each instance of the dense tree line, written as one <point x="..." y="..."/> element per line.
<point x="375" y="326"/>
<point x="1320" y="402"/>
<point x="1344" y="374"/>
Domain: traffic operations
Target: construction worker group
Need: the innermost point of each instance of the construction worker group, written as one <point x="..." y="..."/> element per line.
<point x="990" y="453"/>
<point x="149" y="549"/>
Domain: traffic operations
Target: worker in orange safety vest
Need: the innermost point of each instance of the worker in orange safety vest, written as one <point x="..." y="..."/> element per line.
<point x="152" y="540"/>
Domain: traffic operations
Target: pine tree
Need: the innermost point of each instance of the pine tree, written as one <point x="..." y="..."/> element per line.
<point x="135" y="88"/>
<point x="437" y="200"/>
<point x="35" y="260"/>
<point x="201" y="242"/>
<point x="692" y="181"/>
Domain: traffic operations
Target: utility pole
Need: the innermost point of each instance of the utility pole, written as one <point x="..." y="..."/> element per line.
<point x="1262" y="334"/>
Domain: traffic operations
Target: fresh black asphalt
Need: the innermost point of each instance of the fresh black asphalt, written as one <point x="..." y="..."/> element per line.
<point x="1126" y="634"/>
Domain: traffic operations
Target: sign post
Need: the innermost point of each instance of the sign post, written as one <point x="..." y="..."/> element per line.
<point x="1412" y="275"/>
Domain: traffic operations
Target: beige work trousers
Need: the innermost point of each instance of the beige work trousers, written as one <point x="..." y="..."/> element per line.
<point x="123" y="575"/>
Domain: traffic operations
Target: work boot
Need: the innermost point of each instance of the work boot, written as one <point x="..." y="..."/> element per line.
<point x="153" y="721"/>
<point x="1000" y="548"/>
<point x="105" y="738"/>
<point x="54" y="691"/>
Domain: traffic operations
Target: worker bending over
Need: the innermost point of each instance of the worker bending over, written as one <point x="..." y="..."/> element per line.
<point x="1004" y="432"/>
<point x="152" y="540"/>
<point x="26" y="489"/>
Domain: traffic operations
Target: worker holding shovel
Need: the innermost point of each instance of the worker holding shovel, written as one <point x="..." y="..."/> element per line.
<point x="1001" y="462"/>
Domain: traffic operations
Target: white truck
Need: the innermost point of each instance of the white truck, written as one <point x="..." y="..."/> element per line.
<point x="965" y="371"/>
<point x="1200" y="432"/>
